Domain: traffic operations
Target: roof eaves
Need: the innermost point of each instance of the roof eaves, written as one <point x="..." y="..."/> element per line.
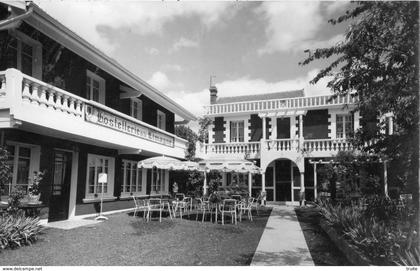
<point x="103" y="61"/>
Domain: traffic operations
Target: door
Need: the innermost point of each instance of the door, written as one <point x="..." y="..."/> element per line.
<point x="283" y="181"/>
<point x="283" y="128"/>
<point x="60" y="188"/>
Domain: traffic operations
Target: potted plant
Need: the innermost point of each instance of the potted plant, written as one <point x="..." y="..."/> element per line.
<point x="34" y="188"/>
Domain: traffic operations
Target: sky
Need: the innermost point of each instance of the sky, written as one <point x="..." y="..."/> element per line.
<point x="250" y="47"/>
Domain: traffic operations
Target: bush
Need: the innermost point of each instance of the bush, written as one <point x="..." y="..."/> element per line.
<point x="14" y="201"/>
<point x="380" y="231"/>
<point x="16" y="231"/>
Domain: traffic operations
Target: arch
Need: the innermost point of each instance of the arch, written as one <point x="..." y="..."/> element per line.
<point x="299" y="160"/>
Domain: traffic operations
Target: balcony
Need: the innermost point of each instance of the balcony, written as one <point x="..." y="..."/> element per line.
<point x="35" y="106"/>
<point x="252" y="150"/>
<point x="301" y="103"/>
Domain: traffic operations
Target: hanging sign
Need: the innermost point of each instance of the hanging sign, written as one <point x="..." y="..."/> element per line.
<point x="103" y="178"/>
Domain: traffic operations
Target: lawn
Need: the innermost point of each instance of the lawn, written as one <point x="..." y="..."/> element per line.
<point x="322" y="249"/>
<point x="128" y="240"/>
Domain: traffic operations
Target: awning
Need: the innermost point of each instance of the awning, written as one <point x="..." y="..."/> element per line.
<point x="228" y="165"/>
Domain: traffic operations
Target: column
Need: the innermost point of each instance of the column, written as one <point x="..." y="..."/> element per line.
<point x="205" y="183"/>
<point x="264" y="128"/>
<point x="273" y="128"/>
<point x="390" y="125"/>
<point x="302" y="188"/>
<point x="386" y="178"/>
<point x="315" y="183"/>
<point x="250" y="183"/>
<point x="263" y="185"/>
<point x="300" y="127"/>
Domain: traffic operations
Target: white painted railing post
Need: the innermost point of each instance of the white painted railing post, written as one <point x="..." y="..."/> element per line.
<point x="14" y="80"/>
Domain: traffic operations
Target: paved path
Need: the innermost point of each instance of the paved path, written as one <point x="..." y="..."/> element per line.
<point x="282" y="242"/>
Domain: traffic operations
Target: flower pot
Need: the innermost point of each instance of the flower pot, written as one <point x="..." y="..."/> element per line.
<point x="33" y="198"/>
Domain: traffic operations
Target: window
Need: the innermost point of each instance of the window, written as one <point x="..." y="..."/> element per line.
<point x="95" y="88"/>
<point x="24" y="54"/>
<point x="237" y="131"/>
<point x="132" y="177"/>
<point x="22" y="165"/>
<point x="158" y="181"/>
<point x="161" y="120"/>
<point x="99" y="164"/>
<point x="344" y="126"/>
<point x="136" y="108"/>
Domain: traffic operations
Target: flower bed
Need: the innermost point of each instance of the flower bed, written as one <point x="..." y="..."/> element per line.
<point x="17" y="231"/>
<point x="381" y="232"/>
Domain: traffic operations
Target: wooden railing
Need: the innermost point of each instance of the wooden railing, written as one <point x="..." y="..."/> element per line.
<point x="268" y="105"/>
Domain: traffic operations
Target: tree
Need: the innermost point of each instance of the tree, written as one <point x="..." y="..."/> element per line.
<point x="203" y="133"/>
<point x="187" y="134"/>
<point x="378" y="62"/>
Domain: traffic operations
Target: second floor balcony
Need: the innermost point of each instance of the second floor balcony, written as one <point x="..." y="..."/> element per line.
<point x="32" y="105"/>
<point x="254" y="150"/>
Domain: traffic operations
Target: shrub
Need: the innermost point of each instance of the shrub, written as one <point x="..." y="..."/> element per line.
<point x="16" y="231"/>
<point x="14" y="201"/>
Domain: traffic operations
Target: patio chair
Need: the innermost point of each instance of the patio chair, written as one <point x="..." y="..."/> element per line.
<point x="246" y="206"/>
<point x="180" y="207"/>
<point x="228" y="206"/>
<point x="179" y="196"/>
<point x="154" y="205"/>
<point x="203" y="206"/>
<point x="139" y="205"/>
<point x="236" y="197"/>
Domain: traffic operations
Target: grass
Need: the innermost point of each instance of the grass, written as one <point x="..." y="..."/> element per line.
<point x="322" y="249"/>
<point x="127" y="240"/>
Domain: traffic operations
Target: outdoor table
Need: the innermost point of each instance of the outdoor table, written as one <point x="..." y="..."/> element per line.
<point x="30" y="208"/>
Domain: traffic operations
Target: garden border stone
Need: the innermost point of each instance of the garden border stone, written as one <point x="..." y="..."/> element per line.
<point x="351" y="252"/>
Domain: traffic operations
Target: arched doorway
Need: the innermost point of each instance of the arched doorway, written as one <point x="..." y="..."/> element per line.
<point x="283" y="181"/>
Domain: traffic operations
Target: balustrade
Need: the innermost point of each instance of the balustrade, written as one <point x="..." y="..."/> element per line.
<point x="291" y="103"/>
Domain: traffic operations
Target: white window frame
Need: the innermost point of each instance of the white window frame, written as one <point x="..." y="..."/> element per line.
<point x="110" y="181"/>
<point x="36" y="52"/>
<point x="161" y="120"/>
<point x="140" y="186"/>
<point x="139" y="114"/>
<point x="236" y="138"/>
<point x="90" y="76"/>
<point x="33" y="163"/>
<point x="162" y="175"/>
<point x="346" y="118"/>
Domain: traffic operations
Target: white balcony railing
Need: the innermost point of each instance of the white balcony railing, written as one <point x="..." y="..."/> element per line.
<point x="246" y="148"/>
<point x="279" y="104"/>
<point x="33" y="101"/>
<point x="321" y="145"/>
<point x="253" y="149"/>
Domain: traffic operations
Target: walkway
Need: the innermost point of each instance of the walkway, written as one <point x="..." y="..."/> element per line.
<point x="282" y="242"/>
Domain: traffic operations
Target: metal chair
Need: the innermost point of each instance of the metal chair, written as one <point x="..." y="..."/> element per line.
<point x="246" y="206"/>
<point x="228" y="206"/>
<point x="139" y="205"/>
<point x="203" y="206"/>
<point x="154" y="205"/>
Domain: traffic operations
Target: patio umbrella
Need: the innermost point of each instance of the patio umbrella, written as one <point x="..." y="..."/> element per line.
<point x="161" y="162"/>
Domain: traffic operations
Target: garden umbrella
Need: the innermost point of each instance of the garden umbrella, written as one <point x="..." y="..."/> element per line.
<point x="161" y="162"/>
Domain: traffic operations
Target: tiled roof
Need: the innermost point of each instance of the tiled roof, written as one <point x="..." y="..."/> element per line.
<point x="259" y="97"/>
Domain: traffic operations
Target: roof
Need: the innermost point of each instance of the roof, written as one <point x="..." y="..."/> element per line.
<point x="43" y="22"/>
<point x="264" y="96"/>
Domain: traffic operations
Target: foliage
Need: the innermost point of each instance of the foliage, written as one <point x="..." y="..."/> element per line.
<point x="14" y="201"/>
<point x="379" y="234"/>
<point x="189" y="135"/>
<point x="16" y="231"/>
<point x="5" y="171"/>
<point x="349" y="173"/>
<point x="34" y="188"/>
<point x="195" y="183"/>
<point x="379" y="61"/>
<point x="203" y="132"/>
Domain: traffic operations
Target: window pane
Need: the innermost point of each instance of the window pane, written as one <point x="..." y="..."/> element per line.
<point x="241" y="131"/>
<point x="26" y="64"/>
<point x="23" y="171"/>
<point x="24" y="152"/>
<point x="95" y="95"/>
<point x="91" y="179"/>
<point x="339" y="127"/>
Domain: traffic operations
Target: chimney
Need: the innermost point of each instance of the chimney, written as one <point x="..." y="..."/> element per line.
<point x="213" y="94"/>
